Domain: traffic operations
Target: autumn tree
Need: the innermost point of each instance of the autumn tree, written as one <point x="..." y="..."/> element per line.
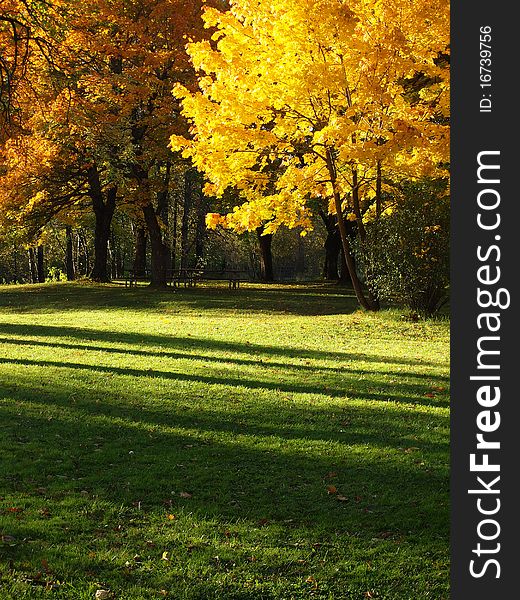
<point x="97" y="122"/>
<point x="348" y="97"/>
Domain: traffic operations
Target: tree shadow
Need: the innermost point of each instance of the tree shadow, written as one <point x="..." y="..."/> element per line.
<point x="254" y="470"/>
<point x="284" y="299"/>
<point x="412" y="394"/>
<point x="207" y="357"/>
<point x="188" y="343"/>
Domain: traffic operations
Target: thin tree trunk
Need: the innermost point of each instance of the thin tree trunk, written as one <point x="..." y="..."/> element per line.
<point x="372" y="300"/>
<point x="378" y="190"/>
<point x="160" y="252"/>
<point x="139" y="265"/>
<point x="188" y="200"/>
<point x="356" y="283"/>
<point x="200" y="233"/>
<point x="344" y="275"/>
<point x="32" y="265"/>
<point x="39" y="264"/>
<point x="265" y="242"/>
<point x="86" y="253"/>
<point x="69" y="257"/>
<point x="201" y="229"/>
<point x="173" y="258"/>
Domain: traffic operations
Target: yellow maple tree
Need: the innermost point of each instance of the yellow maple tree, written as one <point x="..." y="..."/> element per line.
<point x="327" y="99"/>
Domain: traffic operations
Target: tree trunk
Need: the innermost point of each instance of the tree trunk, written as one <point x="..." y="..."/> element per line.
<point x="139" y="265"/>
<point x="173" y="257"/>
<point x="189" y="181"/>
<point x="83" y="244"/>
<point x="69" y="258"/>
<point x="300" y="258"/>
<point x="103" y="211"/>
<point x="32" y="265"/>
<point x="266" y="255"/>
<point x="344" y="275"/>
<point x="200" y="231"/>
<point x="160" y="252"/>
<point x="332" y="252"/>
<point x="378" y="190"/>
<point x="39" y="264"/>
<point x="356" y="283"/>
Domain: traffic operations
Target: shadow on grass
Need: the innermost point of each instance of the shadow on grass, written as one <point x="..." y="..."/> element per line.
<point x="233" y="472"/>
<point x="254" y="460"/>
<point x="277" y="494"/>
<point x="286" y="299"/>
<point x="208" y="358"/>
<point x="187" y="343"/>
<point x="408" y="393"/>
<point x="347" y="424"/>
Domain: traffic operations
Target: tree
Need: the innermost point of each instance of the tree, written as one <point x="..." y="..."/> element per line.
<point x="346" y="97"/>
<point x="407" y="257"/>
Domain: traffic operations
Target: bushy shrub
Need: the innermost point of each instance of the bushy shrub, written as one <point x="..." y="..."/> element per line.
<point x="55" y="274"/>
<point x="406" y="254"/>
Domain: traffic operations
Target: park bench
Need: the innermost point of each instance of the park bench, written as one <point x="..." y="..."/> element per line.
<point x="189" y="277"/>
<point x="133" y="277"/>
<point x="233" y="277"/>
<point x="186" y="277"/>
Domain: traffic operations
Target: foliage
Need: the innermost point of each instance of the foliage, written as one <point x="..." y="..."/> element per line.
<point x="406" y="254"/>
<point x="190" y="442"/>
<point x="300" y="99"/>
<point x="55" y="274"/>
<point x="97" y="96"/>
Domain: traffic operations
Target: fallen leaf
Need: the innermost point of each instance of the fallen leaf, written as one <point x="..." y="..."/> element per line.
<point x="332" y="489"/>
<point x="102" y="594"/>
<point x="170" y="517"/>
<point x="185" y="495"/>
<point x="165" y="556"/>
<point x="342" y="498"/>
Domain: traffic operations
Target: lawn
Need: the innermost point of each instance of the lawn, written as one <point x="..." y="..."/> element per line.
<point x="266" y="443"/>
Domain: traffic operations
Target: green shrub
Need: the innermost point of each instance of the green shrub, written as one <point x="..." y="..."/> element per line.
<point x="406" y="254"/>
<point x="55" y="274"/>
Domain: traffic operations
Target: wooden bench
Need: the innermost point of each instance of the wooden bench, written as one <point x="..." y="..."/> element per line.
<point x="133" y="277"/>
<point x="232" y="276"/>
<point x="189" y="277"/>
<point x="186" y="277"/>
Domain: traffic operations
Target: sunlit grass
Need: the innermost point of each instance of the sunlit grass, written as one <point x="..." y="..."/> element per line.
<point x="263" y="443"/>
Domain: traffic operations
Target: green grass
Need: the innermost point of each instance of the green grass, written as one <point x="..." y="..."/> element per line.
<point x="116" y="404"/>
